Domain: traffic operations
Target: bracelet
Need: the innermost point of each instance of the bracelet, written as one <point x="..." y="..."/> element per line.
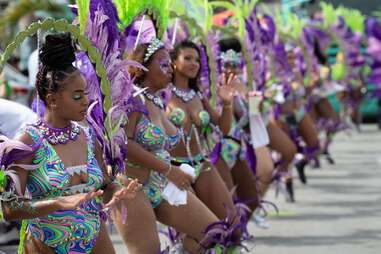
<point x="169" y="170"/>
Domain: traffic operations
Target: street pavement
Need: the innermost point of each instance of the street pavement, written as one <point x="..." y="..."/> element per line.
<point x="337" y="212"/>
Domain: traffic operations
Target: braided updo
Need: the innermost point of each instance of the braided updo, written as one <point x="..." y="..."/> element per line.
<point x="56" y="55"/>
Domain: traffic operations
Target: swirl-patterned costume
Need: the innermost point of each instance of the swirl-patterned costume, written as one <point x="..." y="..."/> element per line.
<point x="65" y="231"/>
<point x="155" y="140"/>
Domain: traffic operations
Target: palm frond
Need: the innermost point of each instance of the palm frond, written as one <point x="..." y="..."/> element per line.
<point x="18" y="9"/>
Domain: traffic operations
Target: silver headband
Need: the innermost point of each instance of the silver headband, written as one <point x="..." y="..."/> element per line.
<point x="231" y="56"/>
<point x="154" y="46"/>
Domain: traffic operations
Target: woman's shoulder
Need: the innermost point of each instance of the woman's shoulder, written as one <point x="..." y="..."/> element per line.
<point x="29" y="134"/>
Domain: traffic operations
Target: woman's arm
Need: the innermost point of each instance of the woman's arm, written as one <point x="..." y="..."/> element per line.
<point x="224" y="119"/>
<point x="27" y="209"/>
<point x="18" y="210"/>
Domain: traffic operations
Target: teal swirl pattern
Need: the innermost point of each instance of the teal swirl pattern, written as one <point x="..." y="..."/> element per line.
<point x="66" y="231"/>
<point x="152" y="138"/>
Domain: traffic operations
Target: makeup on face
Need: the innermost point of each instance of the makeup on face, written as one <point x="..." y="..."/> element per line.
<point x="165" y="65"/>
<point x="79" y="94"/>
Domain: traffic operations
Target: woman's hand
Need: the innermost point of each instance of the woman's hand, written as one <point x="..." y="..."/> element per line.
<point x="226" y="90"/>
<point x="74" y="201"/>
<point x="128" y="192"/>
<point x="179" y="178"/>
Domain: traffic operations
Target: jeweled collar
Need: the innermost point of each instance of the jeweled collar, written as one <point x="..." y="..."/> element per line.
<point x="155" y="99"/>
<point x="185" y="96"/>
<point x="57" y="136"/>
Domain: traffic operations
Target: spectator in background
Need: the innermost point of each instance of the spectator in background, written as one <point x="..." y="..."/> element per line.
<point x="17" y="87"/>
<point x="14" y="116"/>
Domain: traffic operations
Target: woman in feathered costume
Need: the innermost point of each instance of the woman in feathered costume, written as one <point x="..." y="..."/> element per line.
<point x="268" y="57"/>
<point x="344" y="27"/>
<point x="290" y="114"/>
<point x="48" y="183"/>
<point x="373" y="32"/>
<point x="237" y="148"/>
<point x="165" y="195"/>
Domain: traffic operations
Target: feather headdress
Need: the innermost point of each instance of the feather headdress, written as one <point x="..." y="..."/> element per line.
<point x="108" y="125"/>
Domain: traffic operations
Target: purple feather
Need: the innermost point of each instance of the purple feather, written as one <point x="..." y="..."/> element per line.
<point x="98" y="31"/>
<point x="12" y="151"/>
<point x="107" y="7"/>
<point x="204" y="72"/>
<point x="215" y="154"/>
<point x="373" y="32"/>
<point x="251" y="158"/>
<point x="148" y="32"/>
<point x="267" y="28"/>
<point x="350" y="44"/>
<point x="373" y="28"/>
<point x="41" y="107"/>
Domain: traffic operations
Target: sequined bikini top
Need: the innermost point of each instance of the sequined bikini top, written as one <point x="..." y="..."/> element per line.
<point x="153" y="138"/>
<point x="52" y="178"/>
<point x="177" y="117"/>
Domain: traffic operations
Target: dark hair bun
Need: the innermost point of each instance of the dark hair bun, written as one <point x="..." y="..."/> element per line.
<point x="58" y="51"/>
<point x="230" y="43"/>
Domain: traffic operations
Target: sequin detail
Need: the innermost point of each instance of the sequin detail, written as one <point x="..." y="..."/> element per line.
<point x="153" y="139"/>
<point x="68" y="231"/>
<point x="177" y="116"/>
<point x="204" y="118"/>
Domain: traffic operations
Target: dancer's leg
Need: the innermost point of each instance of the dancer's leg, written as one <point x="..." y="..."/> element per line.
<point x="212" y="191"/>
<point x="139" y="231"/>
<point x="246" y="184"/>
<point x="308" y="131"/>
<point x="191" y="219"/>
<point x="265" y="169"/>
<point x="225" y="173"/>
<point x="103" y="243"/>
<point x="280" y="142"/>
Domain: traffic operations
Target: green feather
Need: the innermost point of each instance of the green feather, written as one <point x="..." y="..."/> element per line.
<point x="329" y="14"/>
<point x="158" y="10"/>
<point x="338" y="71"/>
<point x="3" y="181"/>
<point x="353" y="18"/>
<point x="83" y="12"/>
<point x="24" y="225"/>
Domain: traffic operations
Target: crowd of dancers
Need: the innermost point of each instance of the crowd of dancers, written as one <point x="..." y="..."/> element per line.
<point x="164" y="112"/>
